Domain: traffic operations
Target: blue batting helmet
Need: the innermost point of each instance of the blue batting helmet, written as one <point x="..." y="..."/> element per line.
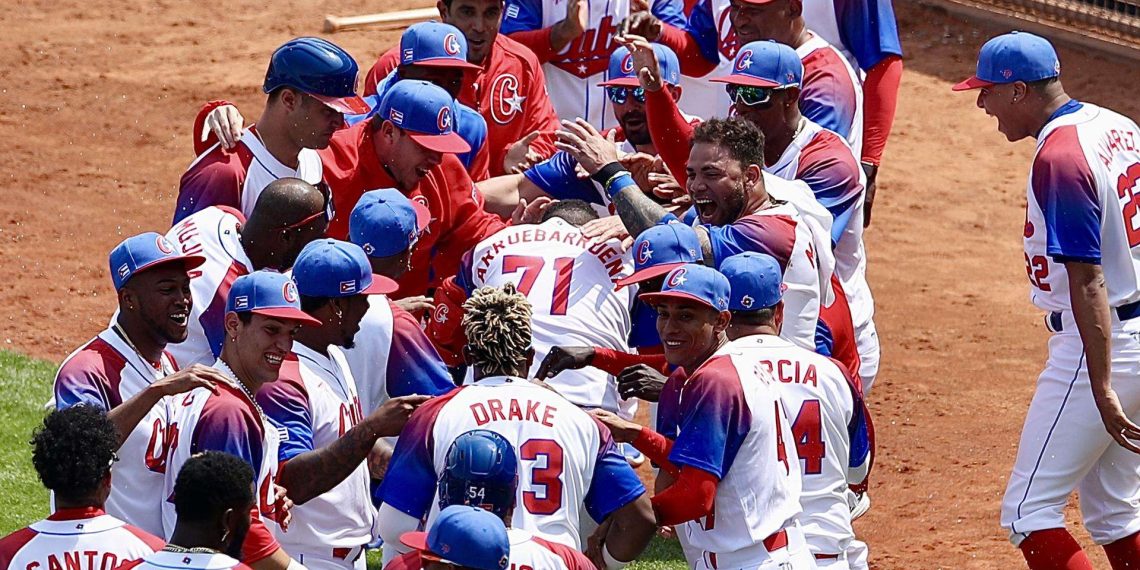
<point x="319" y="68"/>
<point x="481" y="471"/>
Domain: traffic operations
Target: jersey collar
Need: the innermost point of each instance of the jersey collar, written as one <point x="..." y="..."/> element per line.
<point x="504" y="381"/>
<point x="76" y="513"/>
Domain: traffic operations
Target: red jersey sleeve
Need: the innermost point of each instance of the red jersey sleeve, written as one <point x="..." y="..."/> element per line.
<point x="672" y="135"/>
<point x="573" y="559"/>
<point x="259" y="543"/>
<point x="880" y="99"/>
<point x="538" y="41"/>
<point x="215" y="179"/>
<point x="615" y="361"/>
<point x="468" y="221"/>
<point x="384" y="65"/>
<point x="692" y="496"/>
<point x="693" y="62"/>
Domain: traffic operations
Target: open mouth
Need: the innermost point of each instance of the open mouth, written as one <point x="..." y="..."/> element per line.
<point x="274" y="360"/>
<point x="180" y="319"/>
<point x="673" y="344"/>
<point x="706" y="208"/>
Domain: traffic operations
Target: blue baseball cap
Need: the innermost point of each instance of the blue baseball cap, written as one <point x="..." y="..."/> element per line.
<point x="144" y="251"/>
<point x="754" y="279"/>
<point x="765" y="63"/>
<point x="319" y="68"/>
<point x="269" y="294"/>
<point x="425" y="111"/>
<point x="334" y="268"/>
<point x="1016" y="56"/>
<point x="622" y="74"/>
<point x="434" y="44"/>
<point x="694" y="282"/>
<point x="464" y="536"/>
<point x="385" y="222"/>
<point x="661" y="249"/>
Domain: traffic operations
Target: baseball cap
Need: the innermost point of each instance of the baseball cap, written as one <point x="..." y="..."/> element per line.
<point x="318" y="68"/>
<point x="694" y="282"/>
<point x="434" y="44"/>
<point x="270" y="294"/>
<point x="754" y="279"/>
<point x="334" y="268"/>
<point x="144" y="251"/>
<point x="660" y="249"/>
<point x="765" y="63"/>
<point x="425" y="111"/>
<point x="622" y="74"/>
<point x="464" y="536"/>
<point x="1016" y="56"/>
<point x="385" y="222"/>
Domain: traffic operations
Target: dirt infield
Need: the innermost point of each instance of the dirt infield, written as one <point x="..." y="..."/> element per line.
<point x="96" y="100"/>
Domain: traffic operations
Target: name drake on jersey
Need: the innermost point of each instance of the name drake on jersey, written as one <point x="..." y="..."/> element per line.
<point x="494" y="410"/>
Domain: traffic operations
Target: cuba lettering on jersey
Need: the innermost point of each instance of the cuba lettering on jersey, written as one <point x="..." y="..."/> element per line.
<point x="164" y="560"/>
<point x="230" y="422"/>
<point x="572" y="75"/>
<point x="236" y="178"/>
<point x="567" y="460"/>
<point x="1083" y="199"/>
<point x="76" y="539"/>
<point x="726" y="418"/>
<point x="828" y="429"/>
<point x="214" y="233"/>
<point x="392" y="357"/>
<point x="104" y="373"/>
<point x="864" y="31"/>
<point x="569" y="281"/>
<point x="312" y="404"/>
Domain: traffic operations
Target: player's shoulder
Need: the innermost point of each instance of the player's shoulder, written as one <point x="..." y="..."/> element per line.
<point x="290" y="383"/>
<point x="95" y="359"/>
<point x="515" y="51"/>
<point x="12" y="544"/>
<point x="217" y="163"/>
<point x="151" y="541"/>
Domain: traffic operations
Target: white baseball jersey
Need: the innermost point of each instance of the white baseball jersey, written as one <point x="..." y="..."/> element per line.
<point x="1083" y="200"/>
<point x="230" y="422"/>
<point x="236" y="178"/>
<point x="528" y="552"/>
<point x="75" y="539"/>
<point x="567" y="460"/>
<point x="816" y="219"/>
<point x="163" y="560"/>
<point x="104" y="373"/>
<point x="828" y="429"/>
<point x="864" y="32"/>
<point x="726" y="418"/>
<point x="213" y="233"/>
<point x="312" y="404"/>
<point x="569" y="281"/>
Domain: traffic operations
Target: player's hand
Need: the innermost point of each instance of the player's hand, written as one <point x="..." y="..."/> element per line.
<point x="530" y="212"/>
<point x="872" y="173"/>
<point x="391" y="416"/>
<point x="283" y="507"/>
<point x="1116" y="422"/>
<point x="564" y="358"/>
<point x="570" y="27"/>
<point x="641" y="381"/>
<point x="595" y="543"/>
<point x="197" y="376"/>
<point x="605" y="229"/>
<point x="520" y="156"/>
<point x="642" y="23"/>
<point x="667" y="532"/>
<point x="624" y="431"/>
<point x="639" y="165"/>
<point x="416" y="305"/>
<point x="587" y="145"/>
<point x="226" y="123"/>
<point x="644" y="59"/>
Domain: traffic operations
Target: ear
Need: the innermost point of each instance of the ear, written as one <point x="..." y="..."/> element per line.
<point x="795" y="8"/>
<point x="754" y="174"/>
<point x="792" y="97"/>
<point x="1020" y="91"/>
<point x="127" y="298"/>
<point x="529" y="357"/>
<point x="723" y="319"/>
<point x="232" y="325"/>
<point x="290" y="99"/>
<point x="778" y="316"/>
<point x="442" y="10"/>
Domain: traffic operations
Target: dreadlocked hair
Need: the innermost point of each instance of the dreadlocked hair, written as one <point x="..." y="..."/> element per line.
<point x="497" y="323"/>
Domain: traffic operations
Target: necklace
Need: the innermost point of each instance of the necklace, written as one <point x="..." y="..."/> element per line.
<point x="799" y="127"/>
<point x="229" y="374"/>
<point x="197" y="549"/>
<point x="123" y="334"/>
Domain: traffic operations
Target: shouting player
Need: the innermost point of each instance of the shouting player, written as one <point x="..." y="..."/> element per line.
<point x="1084" y="266"/>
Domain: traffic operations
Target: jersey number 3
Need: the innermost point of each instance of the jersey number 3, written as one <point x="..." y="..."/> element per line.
<point x="531" y="266"/>
<point x="549" y="476"/>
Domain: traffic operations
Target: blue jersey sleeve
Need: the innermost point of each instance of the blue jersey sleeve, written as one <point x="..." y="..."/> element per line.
<point x="671" y="12"/>
<point x="869" y="30"/>
<point x="472" y="127"/>
<point x="714" y="419"/>
<point x="74" y="387"/>
<point x="702" y="27"/>
<point x="614" y="484"/>
<point x="286" y="404"/>
<point x="1065" y="190"/>
<point x="556" y="176"/>
<point x="521" y="16"/>
<point x="409" y="485"/>
<point x="772" y="235"/>
<point x="414" y="366"/>
<point x="824" y="340"/>
<point x="643" y="331"/>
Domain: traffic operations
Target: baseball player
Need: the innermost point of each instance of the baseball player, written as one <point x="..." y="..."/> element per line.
<point x="467" y="538"/>
<point x="508" y="88"/>
<point x="212" y="497"/>
<point x="481" y="470"/>
<point x="723" y="442"/>
<point x="313" y="404"/>
<point x="824" y="403"/>
<point x="569" y="281"/>
<point x="1083" y="265"/>
<point x="126" y="371"/>
<point x="567" y="460"/>
<point x="289" y="214"/>
<point x="311" y="84"/>
<point x="73" y="454"/>
<point x="575" y="46"/>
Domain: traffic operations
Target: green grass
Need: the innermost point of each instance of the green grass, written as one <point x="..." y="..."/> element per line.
<point x="25" y="384"/>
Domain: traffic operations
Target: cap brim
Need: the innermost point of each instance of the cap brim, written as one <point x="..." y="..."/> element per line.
<point x="648" y="273"/>
<point x="288" y="314"/>
<point x="973" y="83"/>
<point x="445" y="62"/>
<point x="663" y="295"/>
<point x="187" y="261"/>
<point x="450" y="142"/>
<point x="354" y="105"/>
<point x="417" y="540"/>
<point x="746" y="80"/>
<point x="423" y="216"/>
<point x="380" y="286"/>
<point x="621" y="82"/>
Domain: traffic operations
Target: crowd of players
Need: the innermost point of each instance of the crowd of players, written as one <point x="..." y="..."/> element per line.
<point x="547" y="205"/>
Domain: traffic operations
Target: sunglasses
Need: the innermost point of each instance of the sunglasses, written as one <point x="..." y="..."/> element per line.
<point x="327" y="211"/>
<point x="749" y="95"/>
<point x="619" y="95"/>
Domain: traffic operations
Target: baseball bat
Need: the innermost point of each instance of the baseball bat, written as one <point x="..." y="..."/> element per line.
<point x="383" y="20"/>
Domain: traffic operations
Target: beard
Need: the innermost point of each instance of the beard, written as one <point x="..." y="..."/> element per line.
<point x="233" y="549"/>
<point x="638" y="135"/>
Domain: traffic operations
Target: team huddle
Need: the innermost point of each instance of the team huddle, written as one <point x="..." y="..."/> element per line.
<point x="429" y="314"/>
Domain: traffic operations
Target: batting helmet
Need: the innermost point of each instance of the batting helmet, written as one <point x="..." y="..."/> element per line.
<point x="319" y="68"/>
<point x="481" y="471"/>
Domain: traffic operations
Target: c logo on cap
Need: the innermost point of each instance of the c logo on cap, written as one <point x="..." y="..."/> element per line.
<point x="451" y="44"/>
<point x="627" y="63"/>
<point x="443" y="120"/>
<point x="677" y="278"/>
<point x="644" y="254"/>
<point x="289" y="292"/>
<point x="744" y="60"/>
<point x="163" y="245"/>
